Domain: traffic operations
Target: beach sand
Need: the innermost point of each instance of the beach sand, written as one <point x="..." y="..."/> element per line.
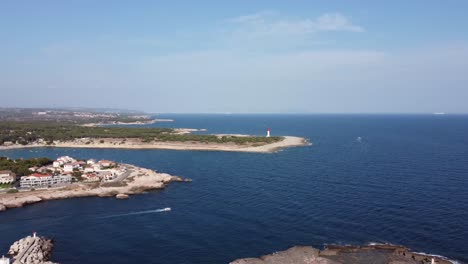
<point x="131" y="143"/>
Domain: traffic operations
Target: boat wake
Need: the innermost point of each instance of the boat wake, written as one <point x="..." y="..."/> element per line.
<point x="167" y="209"/>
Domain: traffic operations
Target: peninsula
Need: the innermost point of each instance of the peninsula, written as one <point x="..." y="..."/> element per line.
<point x="67" y="177"/>
<point x="15" y="134"/>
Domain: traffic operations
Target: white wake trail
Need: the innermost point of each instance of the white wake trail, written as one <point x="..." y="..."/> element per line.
<point x="140" y="212"/>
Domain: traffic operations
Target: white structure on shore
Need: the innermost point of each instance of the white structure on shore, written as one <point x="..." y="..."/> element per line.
<point x="4" y="260"/>
<point x="37" y="180"/>
<point x="268" y="132"/>
<point x="7" y="177"/>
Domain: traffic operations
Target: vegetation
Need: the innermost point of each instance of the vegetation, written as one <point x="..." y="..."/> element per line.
<point x="28" y="132"/>
<point x="5" y="186"/>
<point x="21" y="166"/>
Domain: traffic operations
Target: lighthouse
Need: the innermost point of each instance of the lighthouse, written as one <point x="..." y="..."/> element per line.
<point x="4" y="260"/>
<point x="268" y="132"/>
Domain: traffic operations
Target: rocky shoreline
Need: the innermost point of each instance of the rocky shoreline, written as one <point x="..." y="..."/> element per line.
<point x="31" y="250"/>
<point x="335" y="254"/>
<point x="139" y="180"/>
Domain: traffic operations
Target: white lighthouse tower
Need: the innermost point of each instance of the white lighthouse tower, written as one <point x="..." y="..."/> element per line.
<point x="4" y="260"/>
<point x="268" y="132"/>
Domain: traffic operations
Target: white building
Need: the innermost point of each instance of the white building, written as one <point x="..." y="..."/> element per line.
<point x="65" y="159"/>
<point x="37" y="180"/>
<point x="107" y="175"/>
<point x="7" y="177"/>
<point x="106" y="163"/>
<point x="68" y="168"/>
<point x="91" y="161"/>
<point x="4" y="260"/>
<point x="56" y="164"/>
<point x="89" y="169"/>
<point x="91" y="177"/>
<point x="97" y="167"/>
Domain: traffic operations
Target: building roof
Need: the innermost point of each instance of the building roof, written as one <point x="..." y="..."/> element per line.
<point x="6" y="172"/>
<point x="40" y="175"/>
<point x="106" y="161"/>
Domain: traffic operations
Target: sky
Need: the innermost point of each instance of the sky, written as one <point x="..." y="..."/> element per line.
<point x="242" y="56"/>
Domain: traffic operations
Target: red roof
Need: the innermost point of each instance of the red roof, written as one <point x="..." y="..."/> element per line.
<point x="40" y="175"/>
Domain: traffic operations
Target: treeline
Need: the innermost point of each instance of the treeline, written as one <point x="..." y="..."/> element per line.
<point x="29" y="132"/>
<point x="21" y="166"/>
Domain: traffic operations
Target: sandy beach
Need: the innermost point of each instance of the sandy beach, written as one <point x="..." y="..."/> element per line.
<point x="132" y="143"/>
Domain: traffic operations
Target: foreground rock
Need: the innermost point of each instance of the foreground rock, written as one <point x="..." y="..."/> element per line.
<point x="376" y="254"/>
<point x="31" y="250"/>
<point x="139" y="180"/>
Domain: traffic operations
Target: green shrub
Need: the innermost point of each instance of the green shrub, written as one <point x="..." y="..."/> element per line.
<point x="12" y="191"/>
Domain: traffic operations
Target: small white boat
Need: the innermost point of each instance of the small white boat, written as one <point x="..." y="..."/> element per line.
<point x="166" y="209"/>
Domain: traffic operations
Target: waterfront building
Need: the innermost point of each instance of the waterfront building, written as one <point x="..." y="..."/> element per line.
<point x="68" y="168"/>
<point x="91" y="177"/>
<point x="107" y="175"/>
<point x="37" y="180"/>
<point x="7" y="177"/>
<point x="106" y="163"/>
<point x="89" y="169"/>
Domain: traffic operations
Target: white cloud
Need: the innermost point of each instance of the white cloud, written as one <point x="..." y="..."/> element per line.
<point x="269" y="31"/>
<point x="270" y="24"/>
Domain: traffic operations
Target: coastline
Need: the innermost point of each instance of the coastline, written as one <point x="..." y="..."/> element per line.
<point x="138" y="181"/>
<point x="337" y="254"/>
<point x="119" y="143"/>
<point x="146" y="122"/>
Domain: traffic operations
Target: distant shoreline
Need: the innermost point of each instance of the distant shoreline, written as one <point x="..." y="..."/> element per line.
<point x="119" y="143"/>
<point x="146" y="122"/>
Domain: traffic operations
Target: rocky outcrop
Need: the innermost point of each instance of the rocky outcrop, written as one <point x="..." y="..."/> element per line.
<point x="121" y="196"/>
<point x="31" y="250"/>
<point x="2" y="207"/>
<point x="377" y="254"/>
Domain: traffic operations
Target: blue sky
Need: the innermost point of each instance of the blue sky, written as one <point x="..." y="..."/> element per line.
<point x="236" y="56"/>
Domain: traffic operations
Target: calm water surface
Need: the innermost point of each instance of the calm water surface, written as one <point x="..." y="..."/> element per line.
<point x="405" y="182"/>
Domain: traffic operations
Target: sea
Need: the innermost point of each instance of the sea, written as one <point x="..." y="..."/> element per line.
<point x="398" y="179"/>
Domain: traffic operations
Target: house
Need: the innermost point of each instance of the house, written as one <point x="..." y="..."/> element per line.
<point x="91" y="177"/>
<point x="89" y="169"/>
<point x="56" y="164"/>
<point x="68" y="168"/>
<point x="106" y="163"/>
<point x="7" y="143"/>
<point x="91" y="162"/>
<point x="65" y="159"/>
<point x="97" y="167"/>
<point x="77" y="164"/>
<point x="7" y="177"/>
<point x="37" y="180"/>
<point x="107" y="175"/>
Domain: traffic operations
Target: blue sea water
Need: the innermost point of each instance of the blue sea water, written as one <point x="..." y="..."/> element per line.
<point x="404" y="182"/>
